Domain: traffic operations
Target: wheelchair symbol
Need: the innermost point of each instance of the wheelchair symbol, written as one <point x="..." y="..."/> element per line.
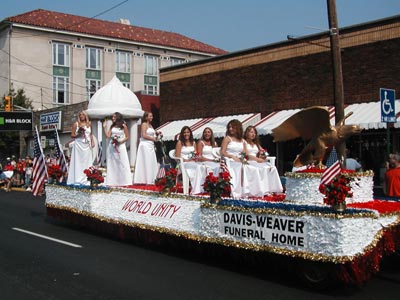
<point x="386" y="105"/>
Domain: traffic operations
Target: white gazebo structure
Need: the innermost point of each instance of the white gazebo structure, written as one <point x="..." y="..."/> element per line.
<point x="111" y="98"/>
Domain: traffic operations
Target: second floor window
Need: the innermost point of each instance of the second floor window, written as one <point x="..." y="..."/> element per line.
<point x="93" y="58"/>
<point x="123" y="62"/>
<point x="61" y="54"/>
<point x="151" y="65"/>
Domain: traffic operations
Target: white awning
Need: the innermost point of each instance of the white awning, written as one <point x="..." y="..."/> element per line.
<point x="368" y="115"/>
<point x="172" y="129"/>
<point x="365" y="115"/>
<point x="218" y="124"/>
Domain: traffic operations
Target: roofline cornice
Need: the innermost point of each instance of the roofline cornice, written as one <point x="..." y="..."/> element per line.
<point x="98" y="37"/>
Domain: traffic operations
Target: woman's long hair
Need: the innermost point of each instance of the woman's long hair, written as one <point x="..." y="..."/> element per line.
<point x="145" y="115"/>
<point x="87" y="119"/>
<point x="212" y="139"/>
<point x="256" y="140"/>
<point x="119" y="121"/>
<point x="181" y="137"/>
<point x="237" y="125"/>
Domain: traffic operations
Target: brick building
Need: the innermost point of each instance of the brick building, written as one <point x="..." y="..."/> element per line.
<point x="296" y="73"/>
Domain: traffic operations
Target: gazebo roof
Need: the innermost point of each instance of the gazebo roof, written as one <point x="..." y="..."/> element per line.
<point x="114" y="97"/>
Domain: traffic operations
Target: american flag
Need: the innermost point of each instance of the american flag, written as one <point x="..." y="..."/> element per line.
<point x="222" y="165"/>
<point x="60" y="157"/>
<point x="39" y="170"/>
<point x="332" y="167"/>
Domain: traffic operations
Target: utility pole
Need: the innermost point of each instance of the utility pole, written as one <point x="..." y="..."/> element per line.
<point x="338" y="90"/>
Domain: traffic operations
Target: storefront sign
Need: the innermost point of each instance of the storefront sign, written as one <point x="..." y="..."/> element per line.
<point x="15" y="121"/>
<point x="50" y="120"/>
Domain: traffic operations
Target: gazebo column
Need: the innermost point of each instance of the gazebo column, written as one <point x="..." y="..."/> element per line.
<point x="95" y="128"/>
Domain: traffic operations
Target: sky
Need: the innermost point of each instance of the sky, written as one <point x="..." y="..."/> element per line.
<point x="231" y="25"/>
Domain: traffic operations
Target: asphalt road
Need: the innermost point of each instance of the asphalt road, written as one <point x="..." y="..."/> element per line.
<point x="69" y="262"/>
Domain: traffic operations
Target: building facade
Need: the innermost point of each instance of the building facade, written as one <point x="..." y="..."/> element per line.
<point x="293" y="74"/>
<point x="62" y="59"/>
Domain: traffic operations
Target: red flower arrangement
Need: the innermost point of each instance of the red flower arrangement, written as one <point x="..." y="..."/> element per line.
<point x="217" y="186"/>
<point x="167" y="183"/>
<point x="94" y="175"/>
<point x="337" y="191"/>
<point x="54" y="171"/>
<point x="262" y="153"/>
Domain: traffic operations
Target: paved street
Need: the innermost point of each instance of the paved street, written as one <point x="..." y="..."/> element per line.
<point x="45" y="259"/>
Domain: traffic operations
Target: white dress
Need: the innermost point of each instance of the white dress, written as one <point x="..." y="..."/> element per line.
<point x="81" y="158"/>
<point x="235" y="168"/>
<point x="194" y="170"/>
<point x="263" y="178"/>
<point x="118" y="167"/>
<point x="146" y="167"/>
<point x="211" y="166"/>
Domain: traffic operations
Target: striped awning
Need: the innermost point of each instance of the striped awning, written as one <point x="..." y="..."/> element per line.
<point x="365" y="115"/>
<point x="172" y="129"/>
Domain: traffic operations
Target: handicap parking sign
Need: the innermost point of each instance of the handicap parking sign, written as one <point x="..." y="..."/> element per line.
<point x="388" y="112"/>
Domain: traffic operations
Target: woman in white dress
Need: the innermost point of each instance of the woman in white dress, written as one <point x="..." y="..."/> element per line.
<point x="118" y="167"/>
<point x="265" y="178"/>
<point x="81" y="154"/>
<point x="146" y="167"/>
<point x="232" y="148"/>
<point x="186" y="148"/>
<point x="208" y="162"/>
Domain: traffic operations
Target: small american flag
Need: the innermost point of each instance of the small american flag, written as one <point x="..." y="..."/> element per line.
<point x="332" y="167"/>
<point x="60" y="157"/>
<point x="223" y="166"/>
<point x="39" y="170"/>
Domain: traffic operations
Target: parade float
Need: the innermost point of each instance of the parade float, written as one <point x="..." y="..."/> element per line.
<point x="320" y="241"/>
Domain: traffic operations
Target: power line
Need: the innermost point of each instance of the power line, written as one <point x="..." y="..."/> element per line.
<point x="40" y="86"/>
<point x="37" y="69"/>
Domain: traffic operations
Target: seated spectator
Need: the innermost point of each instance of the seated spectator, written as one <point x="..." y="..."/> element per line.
<point x="351" y="163"/>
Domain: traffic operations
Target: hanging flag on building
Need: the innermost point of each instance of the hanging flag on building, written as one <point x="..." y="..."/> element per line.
<point x="60" y="157"/>
<point x="332" y="167"/>
<point x="39" y="170"/>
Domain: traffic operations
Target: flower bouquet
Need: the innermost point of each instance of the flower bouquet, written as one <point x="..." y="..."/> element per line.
<point x="167" y="183"/>
<point x="244" y="157"/>
<point x="217" y="186"/>
<point x="115" y="140"/>
<point x="193" y="155"/>
<point x="94" y="175"/>
<point x="54" y="172"/>
<point x="262" y="153"/>
<point x="159" y="136"/>
<point x="336" y="191"/>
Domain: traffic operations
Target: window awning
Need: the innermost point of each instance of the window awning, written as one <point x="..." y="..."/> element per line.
<point x="365" y="115"/>
<point x="172" y="129"/>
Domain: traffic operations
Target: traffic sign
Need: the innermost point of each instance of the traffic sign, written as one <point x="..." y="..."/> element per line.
<point x="388" y="112"/>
